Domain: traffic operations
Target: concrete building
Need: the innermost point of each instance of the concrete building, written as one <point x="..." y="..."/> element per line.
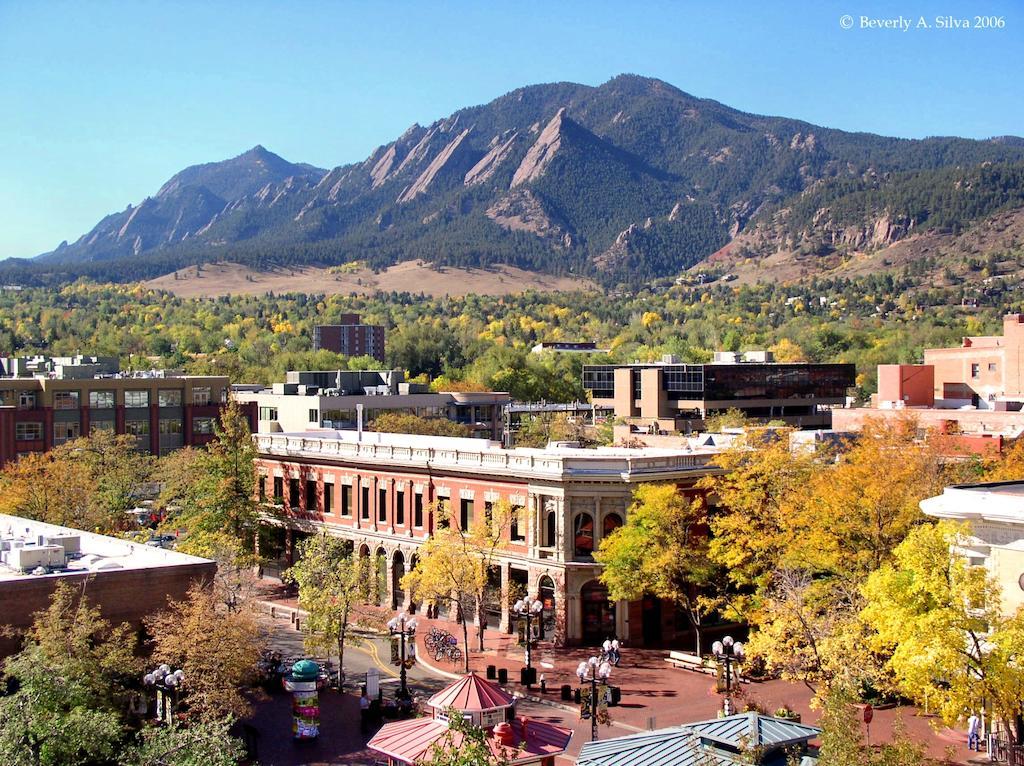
<point x="126" y="580"/>
<point x="975" y="390"/>
<point x="380" y="493"/>
<point x="164" y="410"/>
<point x="996" y="515"/>
<point x="333" y="400"/>
<point x="668" y="396"/>
<point x="350" y="337"/>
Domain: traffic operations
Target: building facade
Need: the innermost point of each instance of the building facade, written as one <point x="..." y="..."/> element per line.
<point x="382" y="494"/>
<point x="672" y="397"/>
<point x="974" y="391"/>
<point x="334" y="400"/>
<point x="350" y="337"/>
<point x="162" y="410"/>
<point x="127" y="581"/>
<point x="995" y="512"/>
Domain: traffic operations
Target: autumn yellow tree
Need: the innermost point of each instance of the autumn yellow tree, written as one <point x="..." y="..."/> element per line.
<point x="939" y="622"/>
<point x="217" y="649"/>
<point x="663" y="550"/>
<point x="453" y="565"/>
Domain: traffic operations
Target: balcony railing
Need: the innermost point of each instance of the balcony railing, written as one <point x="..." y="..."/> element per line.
<point x="589" y="463"/>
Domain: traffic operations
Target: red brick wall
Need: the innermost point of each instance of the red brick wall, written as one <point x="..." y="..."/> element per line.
<point x="122" y="595"/>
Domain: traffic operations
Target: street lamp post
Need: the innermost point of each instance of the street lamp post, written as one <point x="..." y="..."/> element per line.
<point x="593" y="670"/>
<point x="166" y="682"/>
<point x="528" y="608"/>
<point x="728" y="652"/>
<point x="404" y="628"/>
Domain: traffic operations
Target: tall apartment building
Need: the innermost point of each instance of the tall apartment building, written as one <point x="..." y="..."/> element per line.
<point x="350" y="337"/>
<point x="332" y="399"/>
<point x="53" y="402"/>
<point x="380" y="492"/>
<point x="670" y="397"/>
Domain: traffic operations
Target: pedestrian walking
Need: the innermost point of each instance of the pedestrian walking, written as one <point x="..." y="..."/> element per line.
<point x="974" y="732"/>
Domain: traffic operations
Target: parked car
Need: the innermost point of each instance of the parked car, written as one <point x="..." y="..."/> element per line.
<point x="162" y="541"/>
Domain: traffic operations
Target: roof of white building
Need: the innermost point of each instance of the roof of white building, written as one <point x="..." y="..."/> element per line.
<point x="55" y="551"/>
<point x="1001" y="502"/>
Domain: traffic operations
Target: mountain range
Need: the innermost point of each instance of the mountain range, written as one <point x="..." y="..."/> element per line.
<point x="627" y="181"/>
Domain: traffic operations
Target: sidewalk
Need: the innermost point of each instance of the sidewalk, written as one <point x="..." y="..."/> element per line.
<point x="656" y="695"/>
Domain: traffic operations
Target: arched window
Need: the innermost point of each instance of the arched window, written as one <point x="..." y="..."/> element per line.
<point x="550" y="530"/>
<point x="583" y="535"/>
<point x="611" y="522"/>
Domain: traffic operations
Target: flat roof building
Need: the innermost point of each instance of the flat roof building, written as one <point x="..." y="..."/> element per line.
<point x="975" y="390"/>
<point x="380" y="492"/>
<point x="669" y="396"/>
<point x="163" y="409"/>
<point x="333" y="399"/>
<point x="350" y="337"/>
<point x="126" y="580"/>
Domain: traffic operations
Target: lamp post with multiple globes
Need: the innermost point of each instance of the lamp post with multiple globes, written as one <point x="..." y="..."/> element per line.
<point x="728" y="652"/>
<point x="404" y="628"/>
<point x="528" y="609"/>
<point x="167" y="682"/>
<point x="594" y="671"/>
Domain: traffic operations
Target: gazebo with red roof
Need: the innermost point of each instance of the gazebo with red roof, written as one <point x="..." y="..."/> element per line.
<point x="484" y="704"/>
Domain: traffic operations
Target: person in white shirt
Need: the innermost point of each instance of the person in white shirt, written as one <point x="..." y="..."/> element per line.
<point x="974" y="732"/>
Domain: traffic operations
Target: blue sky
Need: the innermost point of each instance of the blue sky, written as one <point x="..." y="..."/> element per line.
<point x="100" y="102"/>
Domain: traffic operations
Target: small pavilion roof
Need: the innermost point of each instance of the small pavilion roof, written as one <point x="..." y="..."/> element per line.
<point x="471" y="694"/>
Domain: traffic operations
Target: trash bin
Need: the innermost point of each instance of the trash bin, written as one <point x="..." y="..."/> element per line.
<point x="566" y="692"/>
<point x="614" y="695"/>
<point x="577" y="697"/>
<point x="502" y="675"/>
<point x="527" y="676"/>
<point x="492" y="672"/>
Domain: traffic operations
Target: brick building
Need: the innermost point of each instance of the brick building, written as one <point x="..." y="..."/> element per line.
<point x="350" y="337"/>
<point x="380" y="493"/>
<point x="126" y="580"/>
<point x="163" y="410"/>
<point x="975" y="390"/>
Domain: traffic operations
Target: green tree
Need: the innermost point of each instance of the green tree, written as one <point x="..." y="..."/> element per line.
<point x="404" y="423"/>
<point x="72" y="675"/>
<point x="332" y="583"/>
<point x="464" y="744"/>
<point x="662" y="550"/>
<point x="201" y="743"/>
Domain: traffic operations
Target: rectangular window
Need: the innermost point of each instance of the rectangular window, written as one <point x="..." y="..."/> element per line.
<point x="975" y="370"/>
<point x="169" y="397"/>
<point x="293" y="493"/>
<point x="328" y="497"/>
<point x="28" y="432"/>
<point x="65" y="432"/>
<point x="201" y="396"/>
<point x="101" y="400"/>
<point x="488" y="513"/>
<point x="136" y="398"/>
<point x="311" y="504"/>
<point x="465" y="514"/>
<point x="268" y="413"/>
<point x="382" y="504"/>
<point x="364" y="509"/>
<point x="417" y="510"/>
<point x="515" y="532"/>
<point x="101" y="425"/>
<point x="136" y="427"/>
<point x="314" y="416"/>
<point x="26" y="400"/>
<point x="202" y="425"/>
<point x="400" y="507"/>
<point x="278" y="489"/>
<point x="444" y="509"/>
<point x="346" y="500"/>
<point x="65" y="400"/>
<point x="170" y="426"/>
<point x="263" y="488"/>
<point x="991" y="366"/>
